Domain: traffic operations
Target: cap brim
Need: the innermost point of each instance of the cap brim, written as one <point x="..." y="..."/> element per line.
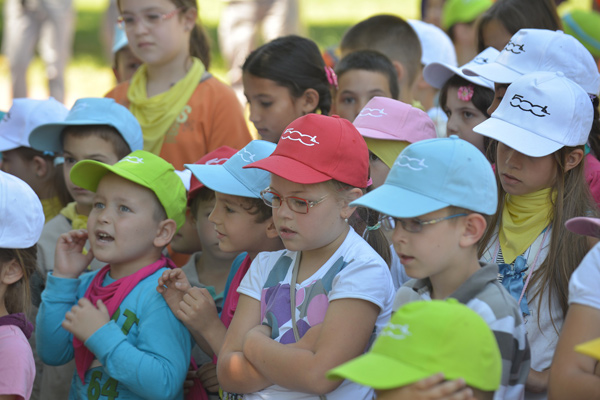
<point x="378" y="371"/>
<point x="6" y="144"/>
<point x="375" y="134"/>
<point x="88" y="173"/>
<point x="591" y="348"/>
<point x="290" y="169"/>
<point x="217" y="178"/>
<point x="47" y="137"/>
<point x="398" y="202"/>
<point x="584" y="226"/>
<point x="437" y="74"/>
<point x="494" y="72"/>
<point x="520" y="139"/>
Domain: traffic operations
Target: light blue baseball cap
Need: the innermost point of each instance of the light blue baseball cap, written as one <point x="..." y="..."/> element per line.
<point x="433" y="174"/>
<point x="231" y="177"/>
<point x="90" y="111"/>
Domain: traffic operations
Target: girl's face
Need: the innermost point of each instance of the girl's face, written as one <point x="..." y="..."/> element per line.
<point x="495" y="35"/>
<point x="499" y="91"/>
<point x="355" y="88"/>
<point x="463" y="116"/>
<point x="272" y="107"/>
<point x="520" y="174"/>
<point x="158" y="32"/>
<point x="316" y="230"/>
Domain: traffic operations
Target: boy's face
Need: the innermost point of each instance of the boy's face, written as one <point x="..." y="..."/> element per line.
<point x="236" y="229"/>
<point x="355" y="88"/>
<point x="206" y="230"/>
<point x="186" y="239"/>
<point x="428" y="253"/>
<point x="122" y="225"/>
<point x="88" y="147"/>
<point x="126" y="63"/>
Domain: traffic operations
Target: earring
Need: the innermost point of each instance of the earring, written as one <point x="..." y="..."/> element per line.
<point x="346" y="220"/>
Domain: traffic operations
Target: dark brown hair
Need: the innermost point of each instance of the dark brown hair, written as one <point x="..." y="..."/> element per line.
<point x="104" y="132"/>
<point x="370" y="60"/>
<point x="18" y="295"/>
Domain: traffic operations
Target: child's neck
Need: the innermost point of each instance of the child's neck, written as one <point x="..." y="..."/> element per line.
<point x="456" y="273"/>
<point x="161" y="77"/>
<point x="213" y="271"/>
<point x="312" y="260"/>
<point x="121" y="270"/>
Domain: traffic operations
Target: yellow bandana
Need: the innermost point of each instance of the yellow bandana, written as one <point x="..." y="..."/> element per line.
<point x="51" y="207"/>
<point x="523" y="220"/>
<point x="78" y="221"/>
<point x="157" y="114"/>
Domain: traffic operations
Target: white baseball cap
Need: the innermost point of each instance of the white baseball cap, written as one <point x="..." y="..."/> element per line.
<point x="21" y="214"/>
<point x="532" y="50"/>
<point x="436" y="46"/>
<point x="24" y="116"/>
<point x="541" y="113"/>
<point x="437" y="74"/>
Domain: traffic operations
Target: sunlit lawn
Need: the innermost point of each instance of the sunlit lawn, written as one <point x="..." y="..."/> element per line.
<point x="89" y="73"/>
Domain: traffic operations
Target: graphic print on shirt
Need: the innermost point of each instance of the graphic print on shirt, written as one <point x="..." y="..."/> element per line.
<point x="312" y="300"/>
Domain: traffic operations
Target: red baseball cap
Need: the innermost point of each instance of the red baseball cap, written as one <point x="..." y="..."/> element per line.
<point x="215" y="157"/>
<point x="316" y="148"/>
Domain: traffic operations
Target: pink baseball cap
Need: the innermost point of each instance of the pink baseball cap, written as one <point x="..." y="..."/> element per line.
<point x="215" y="157"/>
<point x="316" y="148"/>
<point x="389" y="119"/>
<point x="584" y="226"/>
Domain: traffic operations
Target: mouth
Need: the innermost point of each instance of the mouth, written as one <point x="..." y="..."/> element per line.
<point x="219" y="235"/>
<point x="286" y="233"/>
<point x="405" y="259"/>
<point x="510" y="179"/>
<point x="103" y="237"/>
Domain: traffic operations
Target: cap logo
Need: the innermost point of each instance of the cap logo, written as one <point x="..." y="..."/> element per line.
<point x="372" y="112"/>
<point x="514" y="48"/>
<point x="413" y="163"/>
<point x="216" y="161"/>
<point x="481" y="60"/>
<point x="396" y="331"/>
<point x="133" y="160"/>
<point x="246" y="155"/>
<point x="306" y="140"/>
<point x="526" y="105"/>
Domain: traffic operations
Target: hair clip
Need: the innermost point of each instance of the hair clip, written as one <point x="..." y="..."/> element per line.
<point x="369" y="182"/>
<point x="592" y="97"/>
<point x="465" y="93"/>
<point x="331" y="77"/>
<point x="374" y="227"/>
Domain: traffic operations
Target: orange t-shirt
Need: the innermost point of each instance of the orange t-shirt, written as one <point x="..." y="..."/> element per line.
<point x="212" y="118"/>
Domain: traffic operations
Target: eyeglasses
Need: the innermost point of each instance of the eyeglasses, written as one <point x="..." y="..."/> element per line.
<point x="296" y="204"/>
<point x="150" y="19"/>
<point x="413" y="225"/>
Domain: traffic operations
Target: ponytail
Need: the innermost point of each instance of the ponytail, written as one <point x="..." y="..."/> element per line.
<point x="200" y="45"/>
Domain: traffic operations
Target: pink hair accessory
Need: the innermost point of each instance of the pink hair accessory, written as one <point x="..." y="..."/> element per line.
<point x="331" y="77"/>
<point x="369" y="182"/>
<point x="465" y="93"/>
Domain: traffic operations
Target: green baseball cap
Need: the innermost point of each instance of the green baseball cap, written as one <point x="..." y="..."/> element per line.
<point x="145" y="169"/>
<point x="424" y="338"/>
<point x="462" y="11"/>
<point x="584" y="25"/>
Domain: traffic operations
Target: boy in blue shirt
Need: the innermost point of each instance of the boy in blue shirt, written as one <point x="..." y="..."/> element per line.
<point x="126" y="342"/>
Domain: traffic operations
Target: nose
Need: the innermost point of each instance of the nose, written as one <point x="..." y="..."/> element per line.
<point x="451" y="125"/>
<point x="399" y="235"/>
<point x="213" y="216"/>
<point x="284" y="210"/>
<point x="254" y="115"/>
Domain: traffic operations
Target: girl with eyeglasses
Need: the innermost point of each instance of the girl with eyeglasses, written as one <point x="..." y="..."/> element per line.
<point x="184" y="111"/>
<point x="319" y="302"/>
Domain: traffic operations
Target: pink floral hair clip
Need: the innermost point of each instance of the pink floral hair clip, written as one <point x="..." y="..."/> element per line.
<point x="331" y="77"/>
<point x="465" y="93"/>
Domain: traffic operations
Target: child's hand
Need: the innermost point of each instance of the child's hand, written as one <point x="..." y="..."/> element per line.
<point x="197" y="309"/>
<point x="309" y="340"/>
<point x="537" y="382"/>
<point x="173" y="284"/>
<point x="85" y="319"/>
<point x="434" y="388"/>
<point x="208" y="376"/>
<point x="69" y="261"/>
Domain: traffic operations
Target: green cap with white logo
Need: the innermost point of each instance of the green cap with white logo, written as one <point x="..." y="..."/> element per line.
<point x="424" y="338"/>
<point x="145" y="169"/>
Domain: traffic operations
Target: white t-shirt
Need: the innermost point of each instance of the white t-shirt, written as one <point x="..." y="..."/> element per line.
<point x="355" y="271"/>
<point x="583" y="286"/>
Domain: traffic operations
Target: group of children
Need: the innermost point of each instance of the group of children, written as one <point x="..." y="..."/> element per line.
<point x="351" y="253"/>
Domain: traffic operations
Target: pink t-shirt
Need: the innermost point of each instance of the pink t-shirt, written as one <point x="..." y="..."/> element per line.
<point x="17" y="368"/>
<point x="592" y="176"/>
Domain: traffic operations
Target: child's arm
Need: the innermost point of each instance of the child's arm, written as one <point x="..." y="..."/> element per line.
<point x="235" y="372"/>
<point x="303" y="370"/>
<point x="572" y="374"/>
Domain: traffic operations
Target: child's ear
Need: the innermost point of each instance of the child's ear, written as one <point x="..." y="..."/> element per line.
<point x="165" y="232"/>
<point x="40" y="165"/>
<point x="309" y="101"/>
<point x="573" y="159"/>
<point x="474" y="228"/>
<point x="11" y="272"/>
<point x="350" y="196"/>
<point x="400" y="71"/>
<point x="189" y="17"/>
<point x="271" y="229"/>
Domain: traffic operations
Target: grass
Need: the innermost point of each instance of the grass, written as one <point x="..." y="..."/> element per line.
<point x="89" y="73"/>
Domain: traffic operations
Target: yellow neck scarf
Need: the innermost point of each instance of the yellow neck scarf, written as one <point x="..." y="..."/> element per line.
<point x="157" y="114"/>
<point x="78" y="221"/>
<point x="51" y="207"/>
<point x="523" y="220"/>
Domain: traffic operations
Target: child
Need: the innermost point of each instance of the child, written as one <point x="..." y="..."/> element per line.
<point x="36" y="168"/>
<point x="532" y="50"/>
<point x="458" y="20"/>
<point x="21" y="222"/>
<point x="465" y="99"/>
<point x="97" y="129"/>
<point x="184" y="111"/>
<point x="328" y="275"/>
<point x="574" y="374"/>
<point x="125" y="340"/>
<point x="424" y="344"/>
<point x="541" y="124"/>
<point x="242" y="223"/>
<point x="125" y="63"/>
<point x="393" y="37"/>
<point x="283" y="80"/>
<point x="363" y="75"/>
<point x="448" y="184"/>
